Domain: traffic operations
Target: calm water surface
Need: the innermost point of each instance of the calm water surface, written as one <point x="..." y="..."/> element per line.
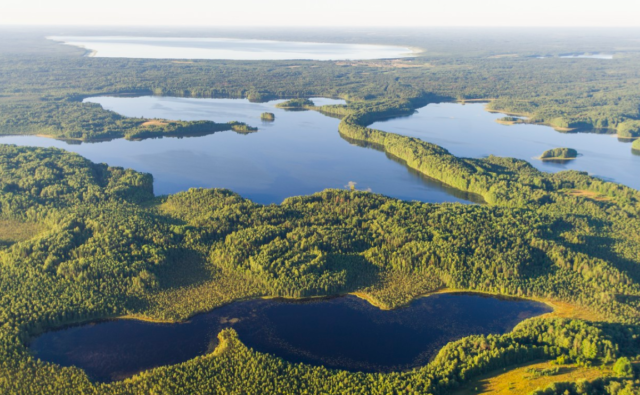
<point x="470" y="131"/>
<point x="227" y="48"/>
<point x="344" y="333"/>
<point x="300" y="153"/>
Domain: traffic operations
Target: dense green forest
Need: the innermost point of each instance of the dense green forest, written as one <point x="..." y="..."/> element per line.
<point x="84" y="241"/>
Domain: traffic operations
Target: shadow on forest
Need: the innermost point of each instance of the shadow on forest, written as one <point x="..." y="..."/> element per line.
<point x="597" y="247"/>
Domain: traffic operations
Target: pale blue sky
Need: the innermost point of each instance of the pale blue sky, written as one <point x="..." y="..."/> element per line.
<point x="569" y="13"/>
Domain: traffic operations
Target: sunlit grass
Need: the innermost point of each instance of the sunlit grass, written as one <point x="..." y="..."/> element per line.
<point x="521" y="381"/>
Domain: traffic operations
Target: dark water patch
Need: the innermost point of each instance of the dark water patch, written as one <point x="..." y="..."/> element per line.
<point x="343" y="333"/>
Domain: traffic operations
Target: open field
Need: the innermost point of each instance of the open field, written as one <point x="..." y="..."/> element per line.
<point x="519" y="381"/>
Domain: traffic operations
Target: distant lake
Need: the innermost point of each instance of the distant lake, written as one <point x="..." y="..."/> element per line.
<point x="343" y="333"/>
<point x="470" y="131"/>
<point x="589" y="56"/>
<point x="300" y="153"/>
<point x="227" y="48"/>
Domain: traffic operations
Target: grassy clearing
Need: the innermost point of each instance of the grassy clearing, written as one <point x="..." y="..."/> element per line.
<point x="568" y="310"/>
<point x="154" y="122"/>
<point x="589" y="195"/>
<point x="521" y="381"/>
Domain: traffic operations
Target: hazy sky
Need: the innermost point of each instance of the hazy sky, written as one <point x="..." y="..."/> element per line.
<point x="322" y="13"/>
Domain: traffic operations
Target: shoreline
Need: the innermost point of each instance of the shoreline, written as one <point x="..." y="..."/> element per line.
<point x="552" y="159"/>
<point x="360" y="295"/>
<point x="525" y="121"/>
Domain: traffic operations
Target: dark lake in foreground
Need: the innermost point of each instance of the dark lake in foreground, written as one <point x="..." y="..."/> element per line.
<point x="344" y="333"/>
<point x="300" y="153"/>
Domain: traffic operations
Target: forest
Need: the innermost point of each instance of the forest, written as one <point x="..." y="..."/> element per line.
<point x="83" y="241"/>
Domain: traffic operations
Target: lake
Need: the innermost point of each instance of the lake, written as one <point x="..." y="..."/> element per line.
<point x="300" y="153"/>
<point x="227" y="48"/>
<point x="588" y="56"/>
<point x="343" y="332"/>
<point x="470" y="131"/>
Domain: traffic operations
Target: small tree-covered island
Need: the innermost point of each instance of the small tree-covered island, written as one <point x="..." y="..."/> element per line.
<point x="508" y="120"/>
<point x="559" y="154"/>
<point x="524" y="277"/>
<point x="297" y="103"/>
<point x="268" y="116"/>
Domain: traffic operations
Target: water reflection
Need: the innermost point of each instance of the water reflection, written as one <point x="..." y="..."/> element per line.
<point x="472" y="197"/>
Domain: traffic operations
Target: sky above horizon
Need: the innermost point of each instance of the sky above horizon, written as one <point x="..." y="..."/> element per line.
<point x="283" y="13"/>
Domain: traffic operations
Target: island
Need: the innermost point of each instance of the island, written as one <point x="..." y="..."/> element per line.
<point x="297" y="104"/>
<point x="158" y="128"/>
<point x="636" y="146"/>
<point x="241" y="127"/>
<point x="509" y="120"/>
<point x="268" y="116"/>
<point x="559" y="154"/>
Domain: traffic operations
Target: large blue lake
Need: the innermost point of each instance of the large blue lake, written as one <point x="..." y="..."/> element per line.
<point x="300" y="153"/>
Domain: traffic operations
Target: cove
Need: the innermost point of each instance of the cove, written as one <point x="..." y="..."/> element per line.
<point x="226" y="48"/>
<point x="342" y="332"/>
<point x="299" y="153"/>
<point x="468" y="130"/>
